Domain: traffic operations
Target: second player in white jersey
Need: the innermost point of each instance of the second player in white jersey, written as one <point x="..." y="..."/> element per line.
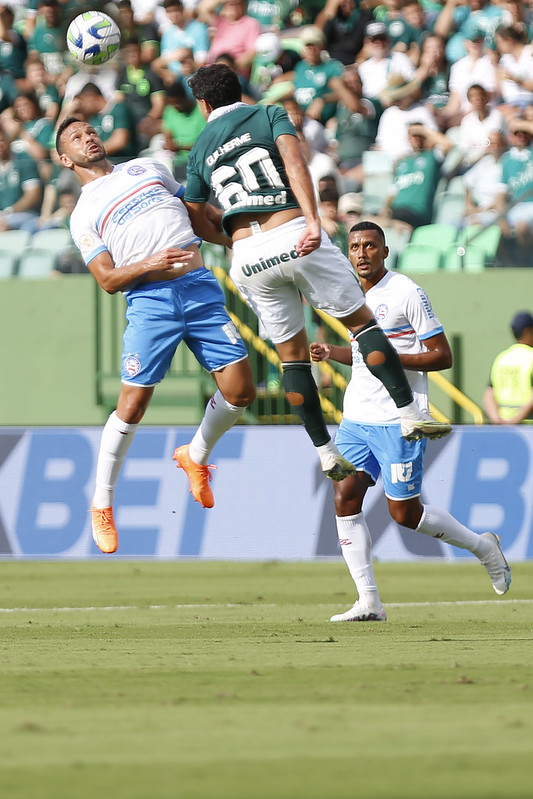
<point x="369" y="435"/>
<point x="406" y="316"/>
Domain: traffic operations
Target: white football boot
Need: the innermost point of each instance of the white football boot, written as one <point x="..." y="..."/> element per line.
<point x="360" y="612"/>
<point x="497" y="567"/>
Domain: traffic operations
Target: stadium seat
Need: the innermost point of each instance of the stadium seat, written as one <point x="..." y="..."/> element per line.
<point x="464" y="259"/>
<point x="486" y="239"/>
<point x="378" y="175"/>
<point x="419" y="258"/>
<point x="375" y="190"/>
<point x="14" y="242"/>
<point x="55" y="239"/>
<point x="456" y="185"/>
<point x="36" y="263"/>
<point x="449" y="208"/>
<point x="8" y="264"/>
<point x="396" y="242"/>
<point x="438" y="236"/>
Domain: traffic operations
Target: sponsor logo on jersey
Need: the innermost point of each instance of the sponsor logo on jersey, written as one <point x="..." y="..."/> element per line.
<point x="140" y="201"/>
<point x="254" y="200"/>
<point x="132" y="365"/>
<point x="136" y="170"/>
<point x="268" y="263"/>
<point x="426" y="303"/>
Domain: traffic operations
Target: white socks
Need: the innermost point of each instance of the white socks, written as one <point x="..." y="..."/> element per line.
<point x="114" y="444"/>
<point x="412" y="411"/>
<point x="442" y="525"/>
<point x="219" y="416"/>
<point x="356" y="546"/>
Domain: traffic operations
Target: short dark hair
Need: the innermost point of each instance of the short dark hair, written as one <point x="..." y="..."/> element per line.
<point x="367" y="225"/>
<point x="329" y="194"/>
<point x="478" y="87"/>
<point x="67" y="122"/>
<point x="177" y="89"/>
<point x="217" y="84"/>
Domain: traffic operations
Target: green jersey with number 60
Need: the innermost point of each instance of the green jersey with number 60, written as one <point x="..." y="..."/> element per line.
<point x="236" y="157"/>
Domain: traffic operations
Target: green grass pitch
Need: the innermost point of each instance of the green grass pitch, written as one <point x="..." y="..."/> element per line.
<point x="201" y="680"/>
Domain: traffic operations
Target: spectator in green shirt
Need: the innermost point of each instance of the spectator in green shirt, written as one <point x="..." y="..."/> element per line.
<point x="181" y="125"/>
<point x="20" y="189"/>
<point x="29" y="132"/>
<point x="416" y="176"/>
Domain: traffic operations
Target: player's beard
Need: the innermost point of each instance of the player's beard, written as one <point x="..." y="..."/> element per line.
<point x="92" y="157"/>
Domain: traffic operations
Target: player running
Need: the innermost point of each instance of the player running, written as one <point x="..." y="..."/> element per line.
<point x="369" y="435"/>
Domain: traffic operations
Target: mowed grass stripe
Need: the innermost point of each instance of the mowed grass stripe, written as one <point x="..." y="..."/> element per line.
<point x="238" y="687"/>
<point x="187" y="606"/>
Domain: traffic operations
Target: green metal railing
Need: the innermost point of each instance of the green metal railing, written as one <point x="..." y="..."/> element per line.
<point x="187" y="386"/>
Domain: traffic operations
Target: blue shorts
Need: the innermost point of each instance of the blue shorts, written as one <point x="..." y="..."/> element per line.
<point x="373" y="448"/>
<point x="161" y="315"/>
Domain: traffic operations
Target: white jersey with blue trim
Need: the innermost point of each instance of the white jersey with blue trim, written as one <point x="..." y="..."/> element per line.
<point x="404" y="312"/>
<point x="133" y="212"/>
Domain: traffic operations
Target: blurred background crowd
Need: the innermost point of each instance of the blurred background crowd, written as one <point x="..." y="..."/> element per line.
<point x="411" y="112"/>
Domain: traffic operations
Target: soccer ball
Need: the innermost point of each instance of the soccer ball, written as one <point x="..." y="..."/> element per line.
<point x="93" y="37"/>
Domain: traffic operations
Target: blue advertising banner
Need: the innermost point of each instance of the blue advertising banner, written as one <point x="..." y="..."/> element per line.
<point x="271" y="499"/>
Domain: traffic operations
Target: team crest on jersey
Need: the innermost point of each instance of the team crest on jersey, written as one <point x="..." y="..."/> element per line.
<point x="136" y="170"/>
<point x="86" y="242"/>
<point x="381" y="311"/>
<point x="132" y="365"/>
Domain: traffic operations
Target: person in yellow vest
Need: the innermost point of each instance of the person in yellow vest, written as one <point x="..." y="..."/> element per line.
<point x="508" y="398"/>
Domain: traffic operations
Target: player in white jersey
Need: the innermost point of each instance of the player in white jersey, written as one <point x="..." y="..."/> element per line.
<point x="135" y="236"/>
<point x="369" y="435"/>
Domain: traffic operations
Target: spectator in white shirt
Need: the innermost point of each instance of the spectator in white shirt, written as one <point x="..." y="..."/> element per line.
<point x="404" y="109"/>
<point x="482" y="182"/>
<point x="477" y="124"/>
<point x="474" y="67"/>
<point x="515" y="69"/>
<point x="379" y="62"/>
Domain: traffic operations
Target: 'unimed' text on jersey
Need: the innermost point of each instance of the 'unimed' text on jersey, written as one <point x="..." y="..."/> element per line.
<point x="404" y="312"/>
<point x="236" y="157"/>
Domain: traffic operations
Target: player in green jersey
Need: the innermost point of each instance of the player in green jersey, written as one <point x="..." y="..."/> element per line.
<point x="250" y="158"/>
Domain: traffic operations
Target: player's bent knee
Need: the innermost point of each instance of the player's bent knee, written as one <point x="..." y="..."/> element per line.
<point x="406" y="515"/>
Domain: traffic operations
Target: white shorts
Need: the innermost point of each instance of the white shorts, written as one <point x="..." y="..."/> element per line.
<point x="270" y="275"/>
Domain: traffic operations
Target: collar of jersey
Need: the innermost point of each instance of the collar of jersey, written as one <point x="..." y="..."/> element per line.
<point x="224" y="109"/>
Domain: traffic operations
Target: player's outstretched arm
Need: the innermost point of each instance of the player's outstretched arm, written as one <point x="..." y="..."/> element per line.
<point x="206" y="221"/>
<point x="112" y="280"/>
<point x="330" y="352"/>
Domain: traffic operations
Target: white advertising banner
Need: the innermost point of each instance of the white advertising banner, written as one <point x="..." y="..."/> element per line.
<point x="271" y="499"/>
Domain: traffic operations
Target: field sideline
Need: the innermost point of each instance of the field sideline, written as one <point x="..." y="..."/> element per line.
<point x="203" y="680"/>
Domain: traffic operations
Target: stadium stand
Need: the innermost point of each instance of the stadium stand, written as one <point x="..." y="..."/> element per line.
<point x="60" y="80"/>
<point x="8" y="264"/>
<point x="434" y="235"/>
<point x="36" y="262"/>
<point x="464" y="259"/>
<point x="419" y="258"/>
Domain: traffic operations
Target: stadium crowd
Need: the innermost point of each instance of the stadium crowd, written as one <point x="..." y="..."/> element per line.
<point x="411" y="112"/>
